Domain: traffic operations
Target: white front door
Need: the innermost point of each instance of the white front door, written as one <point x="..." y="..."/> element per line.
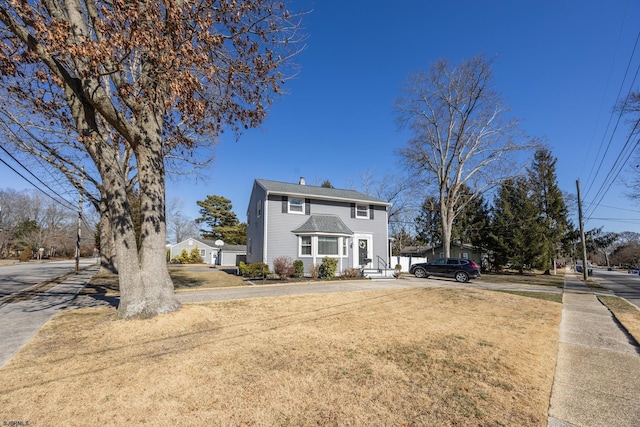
<point x="363" y="250"/>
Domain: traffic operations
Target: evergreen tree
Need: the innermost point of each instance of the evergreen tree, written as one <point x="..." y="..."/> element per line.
<point x="216" y="212"/>
<point x="548" y="198"/>
<point x="470" y="225"/>
<point x="514" y="237"/>
<point x="428" y="223"/>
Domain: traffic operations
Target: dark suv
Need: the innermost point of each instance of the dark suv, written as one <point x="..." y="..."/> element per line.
<point x="460" y="269"/>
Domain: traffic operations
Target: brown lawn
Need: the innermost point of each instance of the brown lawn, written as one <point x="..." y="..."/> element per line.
<point x="445" y="357"/>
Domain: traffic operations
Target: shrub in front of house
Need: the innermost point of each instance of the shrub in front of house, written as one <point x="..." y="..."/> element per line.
<point x="254" y="270"/>
<point x="283" y="266"/>
<point x="328" y="268"/>
<point x="185" y="257"/>
<point x="314" y="271"/>
<point x="298" y="268"/>
<point x="350" y="273"/>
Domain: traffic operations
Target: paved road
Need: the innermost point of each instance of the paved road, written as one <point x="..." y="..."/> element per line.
<point x="623" y="284"/>
<point x="14" y="278"/>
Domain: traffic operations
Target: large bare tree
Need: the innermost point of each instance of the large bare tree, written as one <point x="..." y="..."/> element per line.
<point x="145" y="78"/>
<point x="461" y="135"/>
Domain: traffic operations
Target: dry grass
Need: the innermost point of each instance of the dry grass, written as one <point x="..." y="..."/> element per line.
<point x="442" y="357"/>
<point x="184" y="278"/>
<point x="524" y="279"/>
<point x="627" y="314"/>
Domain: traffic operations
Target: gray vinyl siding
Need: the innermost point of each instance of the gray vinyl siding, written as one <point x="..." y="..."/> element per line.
<point x="176" y="249"/>
<point x="283" y="242"/>
<point x="271" y="236"/>
<point x="256" y="226"/>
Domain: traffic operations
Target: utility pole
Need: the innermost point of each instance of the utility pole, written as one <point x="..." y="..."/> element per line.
<point x="585" y="267"/>
<point x="79" y="221"/>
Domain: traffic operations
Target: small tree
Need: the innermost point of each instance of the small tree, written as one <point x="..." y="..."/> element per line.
<point x="283" y="266"/>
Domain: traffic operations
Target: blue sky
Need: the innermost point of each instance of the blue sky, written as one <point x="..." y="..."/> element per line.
<point x="560" y="66"/>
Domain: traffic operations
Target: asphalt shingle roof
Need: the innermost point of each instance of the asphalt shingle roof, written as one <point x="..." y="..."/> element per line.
<point x="324" y="224"/>
<point x="286" y="188"/>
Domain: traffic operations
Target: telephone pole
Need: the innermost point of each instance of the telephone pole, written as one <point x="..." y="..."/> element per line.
<point x="79" y="221"/>
<point x="585" y="267"/>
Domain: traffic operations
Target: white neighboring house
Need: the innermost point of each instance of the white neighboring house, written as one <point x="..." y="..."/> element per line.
<point x="225" y="255"/>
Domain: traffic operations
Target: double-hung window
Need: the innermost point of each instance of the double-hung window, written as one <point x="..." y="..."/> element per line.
<point x="296" y="206"/>
<point x="362" y="211"/>
<point x="305" y="245"/>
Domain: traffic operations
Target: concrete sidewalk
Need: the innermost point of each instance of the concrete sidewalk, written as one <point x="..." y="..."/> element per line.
<point x="21" y="320"/>
<point x="597" y="378"/>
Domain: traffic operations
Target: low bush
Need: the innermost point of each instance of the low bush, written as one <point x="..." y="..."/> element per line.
<point x="314" y="271"/>
<point x="26" y="254"/>
<point x="185" y="257"/>
<point x="298" y="268"/>
<point x="254" y="270"/>
<point x="398" y="271"/>
<point x="283" y="266"/>
<point x="350" y="273"/>
<point x="328" y="268"/>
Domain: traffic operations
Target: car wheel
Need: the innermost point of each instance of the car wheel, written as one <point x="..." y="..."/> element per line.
<point x="462" y="277"/>
<point x="420" y="272"/>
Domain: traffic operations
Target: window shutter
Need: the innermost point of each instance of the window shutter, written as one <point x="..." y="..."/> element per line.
<point x="285" y="204"/>
<point x="307" y="206"/>
<point x="371" y="211"/>
<point x="353" y="210"/>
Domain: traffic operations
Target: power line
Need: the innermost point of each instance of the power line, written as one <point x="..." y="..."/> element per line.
<point x="65" y="202"/>
<point x="610" y="117"/>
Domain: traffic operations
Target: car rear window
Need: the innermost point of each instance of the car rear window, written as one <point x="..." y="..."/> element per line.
<point x="453" y="262"/>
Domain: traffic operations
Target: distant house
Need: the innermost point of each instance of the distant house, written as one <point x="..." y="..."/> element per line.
<point x="433" y="252"/>
<point x="308" y="223"/>
<point x="210" y="253"/>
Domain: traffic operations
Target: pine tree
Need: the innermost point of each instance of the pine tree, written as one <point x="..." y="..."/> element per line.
<point x="428" y="223"/>
<point x="217" y="213"/>
<point x="514" y="237"/>
<point x="548" y="198"/>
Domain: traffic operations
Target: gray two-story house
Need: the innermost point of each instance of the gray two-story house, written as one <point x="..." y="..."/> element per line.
<point x="307" y="223"/>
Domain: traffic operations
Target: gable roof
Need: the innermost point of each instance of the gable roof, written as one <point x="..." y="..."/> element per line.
<point x="212" y="244"/>
<point x="331" y="224"/>
<point x="288" y="189"/>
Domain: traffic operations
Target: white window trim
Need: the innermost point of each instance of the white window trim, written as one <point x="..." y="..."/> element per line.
<point x="343" y="245"/>
<point x="300" y="254"/>
<point x="360" y="205"/>
<point x="301" y="212"/>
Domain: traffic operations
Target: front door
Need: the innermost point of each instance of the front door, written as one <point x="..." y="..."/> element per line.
<point x="362" y="253"/>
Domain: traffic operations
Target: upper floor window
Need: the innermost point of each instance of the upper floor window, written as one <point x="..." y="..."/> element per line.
<point x="362" y="211"/>
<point x="259" y="209"/>
<point x="296" y="205"/>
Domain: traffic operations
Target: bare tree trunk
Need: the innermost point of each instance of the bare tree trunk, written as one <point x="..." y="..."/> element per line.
<point x="108" y="259"/>
<point x="132" y="302"/>
<point x="160" y="295"/>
